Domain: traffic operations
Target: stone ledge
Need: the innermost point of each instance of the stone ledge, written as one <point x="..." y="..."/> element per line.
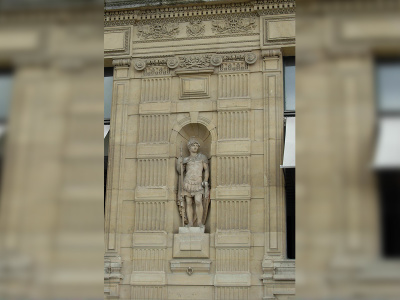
<point x="197" y="265"/>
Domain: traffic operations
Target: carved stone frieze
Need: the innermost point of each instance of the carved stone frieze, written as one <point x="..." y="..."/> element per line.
<point x="225" y="61"/>
<point x="195" y="28"/>
<point x="195" y="61"/>
<point x="158" y="31"/>
<point x="234" y="25"/>
<point x="156" y="71"/>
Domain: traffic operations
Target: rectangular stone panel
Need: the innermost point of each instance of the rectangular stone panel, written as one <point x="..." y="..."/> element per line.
<point x="152" y="172"/>
<point x="233" y="85"/>
<point x="154" y="108"/>
<point x="233" y="170"/>
<point x="148" y="278"/>
<point x="232" y="279"/>
<point x="232" y="260"/>
<point x="279" y="30"/>
<point x="191" y="245"/>
<point x="231" y="293"/>
<point x="194" y="87"/>
<point x="152" y="150"/>
<point x="233" y="192"/>
<point x="155" y="89"/>
<point x="233" y="125"/>
<point x="150" y="259"/>
<point x="232" y="239"/>
<point x="233" y="104"/>
<point x="153" y="239"/>
<point x="234" y="147"/>
<point x="150" y="215"/>
<point x="149" y="292"/>
<point x="153" y="128"/>
<point x="116" y="41"/>
<point x="233" y="214"/>
<point x="151" y="193"/>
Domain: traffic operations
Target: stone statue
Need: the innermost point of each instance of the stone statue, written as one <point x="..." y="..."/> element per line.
<point x="193" y="185"/>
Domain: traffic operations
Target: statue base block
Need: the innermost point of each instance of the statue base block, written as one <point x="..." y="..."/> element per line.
<point x="191" y="230"/>
<point x="191" y="243"/>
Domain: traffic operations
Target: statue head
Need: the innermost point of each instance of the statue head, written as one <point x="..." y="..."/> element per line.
<point x="193" y="141"/>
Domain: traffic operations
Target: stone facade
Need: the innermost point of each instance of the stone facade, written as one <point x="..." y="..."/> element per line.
<point x="213" y="71"/>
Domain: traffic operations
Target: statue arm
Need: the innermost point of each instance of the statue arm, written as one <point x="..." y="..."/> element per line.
<point x="206" y="172"/>
<point x="178" y="165"/>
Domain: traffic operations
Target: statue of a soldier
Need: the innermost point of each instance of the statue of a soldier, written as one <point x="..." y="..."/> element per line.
<point x="193" y="184"/>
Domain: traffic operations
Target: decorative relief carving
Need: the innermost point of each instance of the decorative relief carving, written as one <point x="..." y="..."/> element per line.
<point x="156" y="71"/>
<point x="232" y="214"/>
<point x="233" y="125"/>
<point x="232" y="260"/>
<point x="195" y="61"/>
<point x="234" y="25"/>
<point x="250" y="58"/>
<point x="172" y="62"/>
<point x="195" y="28"/>
<point x="153" y="129"/>
<point x="233" y="170"/>
<point x="216" y="60"/>
<point x="231" y="61"/>
<point x="233" y="85"/>
<point x="139" y="64"/>
<point x="234" y="66"/>
<point x="148" y="259"/>
<point x="150" y="216"/>
<point x="158" y="31"/>
<point x="155" y="89"/>
<point x="123" y="62"/>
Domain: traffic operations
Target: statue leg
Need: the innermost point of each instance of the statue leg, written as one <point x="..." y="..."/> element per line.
<point x="199" y="209"/>
<point x="189" y="210"/>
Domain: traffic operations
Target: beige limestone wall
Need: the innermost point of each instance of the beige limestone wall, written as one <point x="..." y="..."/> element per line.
<point x="215" y="72"/>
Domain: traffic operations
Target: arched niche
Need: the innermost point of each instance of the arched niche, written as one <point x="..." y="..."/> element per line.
<point x="200" y="132"/>
<point x="206" y="135"/>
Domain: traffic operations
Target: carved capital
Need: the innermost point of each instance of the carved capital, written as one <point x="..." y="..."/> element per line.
<point x="216" y="60"/>
<point x="172" y="62"/>
<point x="271" y="53"/>
<point x="250" y="58"/>
<point x="121" y="62"/>
<point x="139" y="64"/>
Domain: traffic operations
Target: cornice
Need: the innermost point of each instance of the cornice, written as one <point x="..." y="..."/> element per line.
<point x="205" y="11"/>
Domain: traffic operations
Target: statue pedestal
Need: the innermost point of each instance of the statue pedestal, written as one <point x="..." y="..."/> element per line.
<point x="191" y="243"/>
